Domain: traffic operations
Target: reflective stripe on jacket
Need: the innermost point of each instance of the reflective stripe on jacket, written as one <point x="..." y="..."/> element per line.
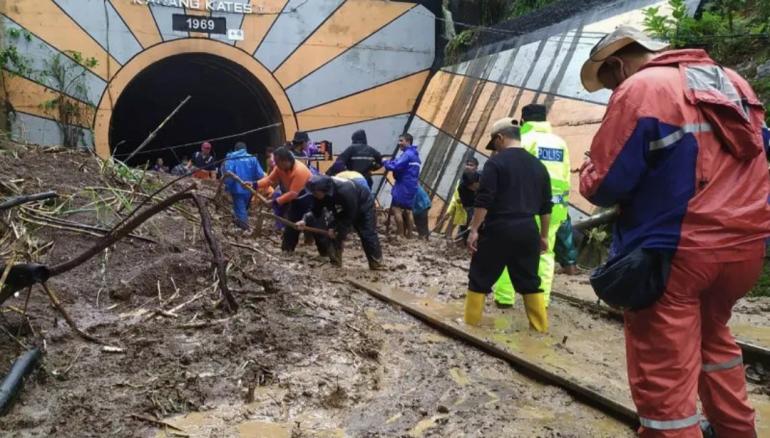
<point x="539" y="140"/>
<point x="667" y="154"/>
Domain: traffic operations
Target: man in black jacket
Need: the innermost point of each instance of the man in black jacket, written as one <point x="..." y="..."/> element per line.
<point x="515" y="187"/>
<point x="358" y="157"/>
<point x="350" y="206"/>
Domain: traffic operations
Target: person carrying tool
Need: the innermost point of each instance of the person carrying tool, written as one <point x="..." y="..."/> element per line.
<point x="246" y="167"/>
<point x="682" y="152"/>
<point x="538" y="139"/>
<point x="292" y="176"/>
<point x="358" y="157"/>
<point x="406" y="172"/>
<point x="351" y="206"/>
<point x="515" y="187"/>
<point x="204" y="163"/>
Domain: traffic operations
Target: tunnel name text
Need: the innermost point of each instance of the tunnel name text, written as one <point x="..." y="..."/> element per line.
<point x="209" y="5"/>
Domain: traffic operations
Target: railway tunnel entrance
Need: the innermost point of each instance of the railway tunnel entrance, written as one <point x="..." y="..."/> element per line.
<point x="225" y="99"/>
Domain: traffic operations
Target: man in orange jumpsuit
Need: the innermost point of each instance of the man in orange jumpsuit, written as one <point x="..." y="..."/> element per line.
<point x="682" y="150"/>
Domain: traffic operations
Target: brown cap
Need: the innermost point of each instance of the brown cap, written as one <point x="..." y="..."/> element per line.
<point x="501" y="126"/>
<point x="607" y="46"/>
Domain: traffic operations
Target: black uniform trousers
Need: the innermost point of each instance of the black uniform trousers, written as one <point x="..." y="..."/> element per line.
<point x="512" y="243"/>
<point x="296" y="212"/>
<point x="365" y="226"/>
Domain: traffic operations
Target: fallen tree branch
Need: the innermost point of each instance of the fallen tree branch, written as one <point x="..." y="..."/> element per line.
<point x="216" y="250"/>
<point x="155" y="421"/>
<point x="73" y="226"/>
<point x="68" y="318"/>
<point x="122" y="231"/>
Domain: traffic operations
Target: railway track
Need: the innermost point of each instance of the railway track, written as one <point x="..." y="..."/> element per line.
<point x="753" y="352"/>
<point x="542" y="357"/>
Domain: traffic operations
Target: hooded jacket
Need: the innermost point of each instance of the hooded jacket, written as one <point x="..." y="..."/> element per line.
<point x="245" y="166"/>
<point x="358" y="157"/>
<point x="682" y="152"/>
<point x="406" y="171"/>
<point x="345" y="199"/>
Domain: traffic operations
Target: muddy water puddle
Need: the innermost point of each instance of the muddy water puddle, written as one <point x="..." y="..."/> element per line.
<point x="749" y="321"/>
<point x="427" y="385"/>
<point x="586" y="349"/>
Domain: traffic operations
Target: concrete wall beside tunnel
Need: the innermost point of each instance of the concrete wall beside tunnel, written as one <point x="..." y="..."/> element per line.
<point x="324" y="66"/>
<point x="463" y="100"/>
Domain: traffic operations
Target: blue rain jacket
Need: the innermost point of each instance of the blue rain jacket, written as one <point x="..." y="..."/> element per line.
<point x="246" y="166"/>
<point x="421" y="201"/>
<point x="406" y="171"/>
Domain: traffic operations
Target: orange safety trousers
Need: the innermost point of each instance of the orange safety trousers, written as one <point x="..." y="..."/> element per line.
<point x="681" y="348"/>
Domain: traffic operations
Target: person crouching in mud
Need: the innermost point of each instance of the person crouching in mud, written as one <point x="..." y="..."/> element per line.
<point x="351" y="206"/>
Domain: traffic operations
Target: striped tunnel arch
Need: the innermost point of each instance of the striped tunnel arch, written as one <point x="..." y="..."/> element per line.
<point x="330" y="66"/>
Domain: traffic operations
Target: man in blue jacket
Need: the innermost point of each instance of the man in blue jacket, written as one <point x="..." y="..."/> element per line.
<point x="406" y="172"/>
<point x="247" y="168"/>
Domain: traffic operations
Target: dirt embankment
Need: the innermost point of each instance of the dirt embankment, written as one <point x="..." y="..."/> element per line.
<point x="306" y="355"/>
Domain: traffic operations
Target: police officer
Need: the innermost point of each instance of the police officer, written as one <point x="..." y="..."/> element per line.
<point x="538" y="139"/>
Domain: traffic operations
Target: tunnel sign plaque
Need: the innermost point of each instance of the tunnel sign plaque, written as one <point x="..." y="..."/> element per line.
<point x="208" y="5"/>
<point x="198" y="23"/>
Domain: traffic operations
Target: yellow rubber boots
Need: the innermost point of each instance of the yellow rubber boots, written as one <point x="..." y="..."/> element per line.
<point x="474" y="307"/>
<point x="536" y="311"/>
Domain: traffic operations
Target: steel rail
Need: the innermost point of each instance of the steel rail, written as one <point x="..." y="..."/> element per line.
<point x="618" y="409"/>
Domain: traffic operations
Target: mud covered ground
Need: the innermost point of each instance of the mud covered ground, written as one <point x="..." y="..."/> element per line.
<point x="306" y="355"/>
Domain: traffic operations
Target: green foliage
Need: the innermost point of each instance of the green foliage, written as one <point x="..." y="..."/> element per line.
<point x="461" y="43"/>
<point x="67" y="81"/>
<point x="491" y="12"/>
<point x="727" y="29"/>
<point x="69" y="103"/>
<point x="524" y="7"/>
<point x="735" y="33"/>
<point x="762" y="288"/>
<point x="85" y="62"/>
<point x="11" y="60"/>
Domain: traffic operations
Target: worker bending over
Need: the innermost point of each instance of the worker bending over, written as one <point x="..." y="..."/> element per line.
<point x="292" y="176"/>
<point x="351" y="205"/>
<point x="515" y="187"/>
<point x="680" y="151"/>
<point x="538" y="139"/>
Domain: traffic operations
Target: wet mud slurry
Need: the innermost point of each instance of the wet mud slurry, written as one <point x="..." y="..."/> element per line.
<point x="306" y="355"/>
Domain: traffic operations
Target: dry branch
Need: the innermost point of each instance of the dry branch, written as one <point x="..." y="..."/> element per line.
<point x="122" y="231"/>
<point x="216" y="250"/>
<point x="68" y="318"/>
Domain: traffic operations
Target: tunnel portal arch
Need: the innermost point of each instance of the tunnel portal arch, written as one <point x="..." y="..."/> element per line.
<point x="231" y="92"/>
